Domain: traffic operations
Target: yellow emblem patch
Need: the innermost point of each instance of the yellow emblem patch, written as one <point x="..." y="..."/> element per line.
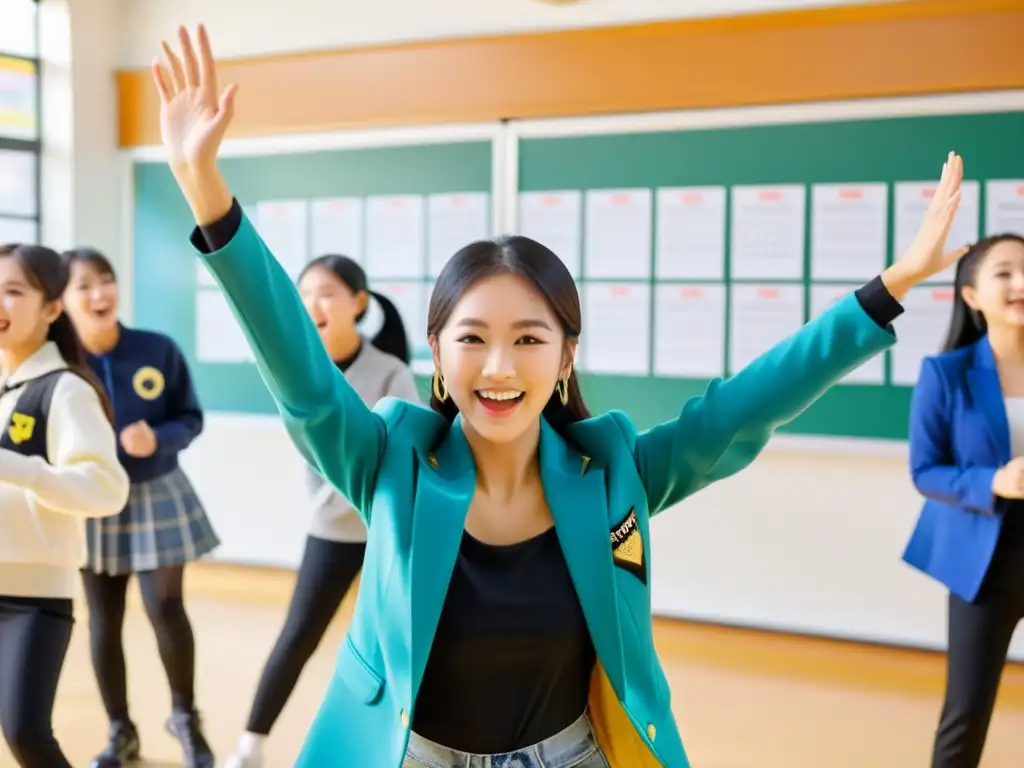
<point x="148" y="383"/>
<point x="628" y="547"/>
<point x="21" y="427"/>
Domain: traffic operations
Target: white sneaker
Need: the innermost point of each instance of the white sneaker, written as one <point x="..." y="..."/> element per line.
<point x="239" y="760"/>
<point x="248" y="753"/>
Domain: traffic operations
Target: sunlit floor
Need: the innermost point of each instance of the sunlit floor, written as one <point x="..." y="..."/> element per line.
<point x="742" y="699"/>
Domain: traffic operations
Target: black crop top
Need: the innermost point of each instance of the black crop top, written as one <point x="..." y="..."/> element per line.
<point x="512" y="657"/>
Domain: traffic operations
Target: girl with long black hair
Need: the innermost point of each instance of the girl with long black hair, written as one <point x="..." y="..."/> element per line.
<point x="967" y="460"/>
<point x="336" y="295"/>
<point x="164" y="525"/>
<point x="58" y="466"/>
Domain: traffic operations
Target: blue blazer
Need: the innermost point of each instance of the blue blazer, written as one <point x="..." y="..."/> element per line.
<point x="411" y="476"/>
<point x="959" y="437"/>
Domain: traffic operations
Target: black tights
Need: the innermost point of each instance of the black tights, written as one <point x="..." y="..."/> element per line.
<point x="327" y="571"/>
<point x="162" y="595"/>
<point x="34" y="637"/>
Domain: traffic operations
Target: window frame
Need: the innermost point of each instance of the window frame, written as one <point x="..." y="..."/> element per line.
<point x="35" y="146"/>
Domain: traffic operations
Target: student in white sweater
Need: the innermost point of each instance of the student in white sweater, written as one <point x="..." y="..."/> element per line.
<point x="58" y="466"/>
<point x="335" y="292"/>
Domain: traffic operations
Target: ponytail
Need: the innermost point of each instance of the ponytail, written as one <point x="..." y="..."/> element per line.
<point x="391" y="337"/>
<point x="966" y="325"/>
<point x="46" y="271"/>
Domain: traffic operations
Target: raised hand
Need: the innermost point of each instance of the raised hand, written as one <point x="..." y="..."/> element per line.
<point x="927" y="254"/>
<point x="138" y="440"/>
<point x="194" y="115"/>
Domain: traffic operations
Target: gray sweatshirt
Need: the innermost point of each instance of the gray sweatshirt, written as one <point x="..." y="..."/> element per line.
<point x="373" y="375"/>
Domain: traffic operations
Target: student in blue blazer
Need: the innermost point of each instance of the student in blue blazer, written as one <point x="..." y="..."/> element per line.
<point x="504" y="614"/>
<point x="967" y="459"/>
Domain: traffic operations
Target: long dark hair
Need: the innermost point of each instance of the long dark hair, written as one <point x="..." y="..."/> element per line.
<point x="537" y="264"/>
<point x="92" y="257"/>
<point x="966" y="325"/>
<point x="47" y="272"/>
<point x="391" y="337"/>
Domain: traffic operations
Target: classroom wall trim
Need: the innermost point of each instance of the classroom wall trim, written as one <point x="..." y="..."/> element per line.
<point x="849" y="52"/>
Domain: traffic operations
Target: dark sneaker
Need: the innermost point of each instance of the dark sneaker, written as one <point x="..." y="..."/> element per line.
<point x="186" y="728"/>
<point x="122" y="749"/>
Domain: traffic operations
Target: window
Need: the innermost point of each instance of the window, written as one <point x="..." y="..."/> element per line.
<point x="19" y="121"/>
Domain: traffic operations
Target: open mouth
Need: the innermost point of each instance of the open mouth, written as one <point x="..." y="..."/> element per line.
<point x="499" y="401"/>
<point x="321" y="325"/>
<point x="102" y="314"/>
<point x="4" y="325"/>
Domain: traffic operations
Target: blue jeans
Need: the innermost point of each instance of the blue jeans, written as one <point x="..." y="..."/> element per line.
<point x="574" y="747"/>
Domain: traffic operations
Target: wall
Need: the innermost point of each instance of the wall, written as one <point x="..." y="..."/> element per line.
<point x="240" y="28"/>
<point x="81" y="185"/>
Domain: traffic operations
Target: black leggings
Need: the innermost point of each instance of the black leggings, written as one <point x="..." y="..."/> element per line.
<point x="162" y="595"/>
<point x="34" y="638"/>
<point x="979" y="638"/>
<point x="327" y="571"/>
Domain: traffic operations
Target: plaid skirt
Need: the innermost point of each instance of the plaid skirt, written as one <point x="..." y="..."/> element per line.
<point x="163" y="525"/>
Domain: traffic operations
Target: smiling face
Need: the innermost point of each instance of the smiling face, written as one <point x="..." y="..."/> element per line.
<point x="25" y="315"/>
<point x="333" y="307"/>
<point x="91" y="298"/>
<point x="501" y="353"/>
<point x="997" y="289"/>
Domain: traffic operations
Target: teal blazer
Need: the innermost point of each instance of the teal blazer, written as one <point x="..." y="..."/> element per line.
<point x="411" y="475"/>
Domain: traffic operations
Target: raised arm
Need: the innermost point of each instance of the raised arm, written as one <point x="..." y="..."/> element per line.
<point x="723" y="431"/>
<point x="326" y="419"/>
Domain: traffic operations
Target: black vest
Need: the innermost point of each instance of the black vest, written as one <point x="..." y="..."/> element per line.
<point x="25" y="433"/>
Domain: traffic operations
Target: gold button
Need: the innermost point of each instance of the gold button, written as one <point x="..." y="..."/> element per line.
<point x="405" y="719"/>
<point x="651" y="731"/>
<point x="432" y="460"/>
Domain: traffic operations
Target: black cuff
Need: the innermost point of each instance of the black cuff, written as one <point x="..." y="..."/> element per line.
<point x="878" y="303"/>
<point x="215" y="236"/>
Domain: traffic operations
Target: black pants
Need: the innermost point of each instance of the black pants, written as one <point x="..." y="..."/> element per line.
<point x="162" y="597"/>
<point x="34" y="638"/>
<point x="979" y="639"/>
<point x="327" y="571"/>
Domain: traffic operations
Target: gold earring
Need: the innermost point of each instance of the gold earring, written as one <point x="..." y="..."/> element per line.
<point x="562" y="390"/>
<point x="438" y="384"/>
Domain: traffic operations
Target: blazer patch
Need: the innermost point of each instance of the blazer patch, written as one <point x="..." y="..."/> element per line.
<point x="628" y="547"/>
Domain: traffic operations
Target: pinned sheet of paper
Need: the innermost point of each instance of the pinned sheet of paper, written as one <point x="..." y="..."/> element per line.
<point x="921" y="330"/>
<point x="689" y="330"/>
<point x="337" y="227"/>
<point x="849" y="227"/>
<point x="219" y="337"/>
<point x="618" y="234"/>
<point x="454" y="221"/>
<point x="762" y="316"/>
<point x="1004" y="207"/>
<point x="768" y="232"/>
<point x="284" y="227"/>
<point x="912" y="200"/>
<point x="691" y="233"/>
<point x="395" y="237"/>
<point x="555" y="220"/>
<point x="617" y="328"/>
<point x="823" y="297"/>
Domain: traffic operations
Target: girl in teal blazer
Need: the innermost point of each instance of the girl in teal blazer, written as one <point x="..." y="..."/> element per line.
<point x="504" y="614"/>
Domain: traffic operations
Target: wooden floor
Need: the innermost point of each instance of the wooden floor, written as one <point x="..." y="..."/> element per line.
<point x="742" y="699"/>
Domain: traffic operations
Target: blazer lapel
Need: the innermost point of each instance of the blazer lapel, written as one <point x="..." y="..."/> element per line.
<point x="577" y="497"/>
<point x="447" y="480"/>
<point x="987" y="395"/>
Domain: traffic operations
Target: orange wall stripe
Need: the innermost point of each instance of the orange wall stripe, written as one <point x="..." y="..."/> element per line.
<point x="869" y="51"/>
